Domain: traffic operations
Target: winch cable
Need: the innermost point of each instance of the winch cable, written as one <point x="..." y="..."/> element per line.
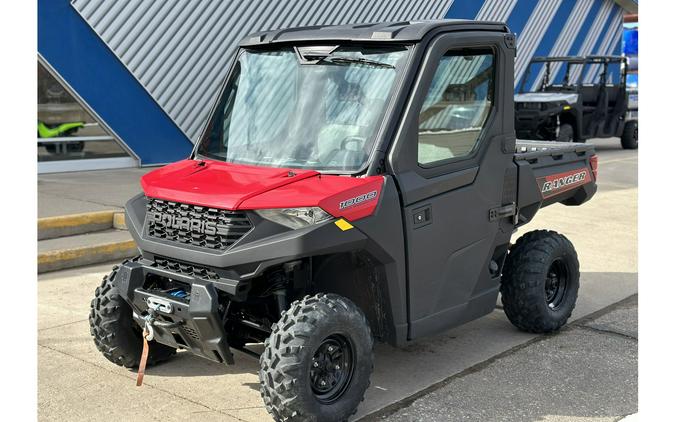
<point x="144" y="358"/>
<point x="148" y="335"/>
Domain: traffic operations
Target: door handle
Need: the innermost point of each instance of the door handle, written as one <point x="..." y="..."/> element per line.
<point x="421" y="216"/>
<point x="508" y="210"/>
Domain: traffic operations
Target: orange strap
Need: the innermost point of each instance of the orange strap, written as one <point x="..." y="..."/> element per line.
<point x="144" y="359"/>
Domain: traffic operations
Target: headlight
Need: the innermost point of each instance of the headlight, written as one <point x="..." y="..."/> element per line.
<point x="295" y="218"/>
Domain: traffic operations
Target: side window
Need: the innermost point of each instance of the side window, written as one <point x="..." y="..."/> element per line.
<point x="456" y="107"/>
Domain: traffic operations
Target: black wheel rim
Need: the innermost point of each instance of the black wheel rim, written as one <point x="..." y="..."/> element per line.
<point x="556" y="284"/>
<point x="636" y="136"/>
<point x="332" y="368"/>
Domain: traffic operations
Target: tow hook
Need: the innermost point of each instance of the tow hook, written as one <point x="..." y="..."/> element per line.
<point x="151" y="322"/>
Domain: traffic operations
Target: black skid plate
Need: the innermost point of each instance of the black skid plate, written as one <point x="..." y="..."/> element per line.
<point x="201" y="328"/>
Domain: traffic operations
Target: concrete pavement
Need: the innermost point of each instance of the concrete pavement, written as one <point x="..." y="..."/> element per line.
<point x="86" y="191"/>
<point x="77" y="383"/>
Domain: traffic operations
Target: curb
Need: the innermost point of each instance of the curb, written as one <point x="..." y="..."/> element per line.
<point x="78" y="257"/>
<point x="78" y="224"/>
<point x="68" y="225"/>
<point x="119" y="221"/>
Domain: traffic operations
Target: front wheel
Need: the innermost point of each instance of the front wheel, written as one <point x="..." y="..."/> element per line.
<point x="540" y="282"/>
<point x="317" y="362"/>
<point x="565" y="133"/>
<point x="116" y="335"/>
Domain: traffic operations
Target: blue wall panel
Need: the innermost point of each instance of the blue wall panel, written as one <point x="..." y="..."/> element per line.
<point x="591" y="72"/>
<point x="550" y="36"/>
<point x="464" y="9"/>
<point x="520" y="14"/>
<point x="614" y="72"/>
<point x="579" y="40"/>
<point x="70" y="46"/>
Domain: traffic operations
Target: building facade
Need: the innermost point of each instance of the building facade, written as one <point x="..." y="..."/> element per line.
<point x="138" y="78"/>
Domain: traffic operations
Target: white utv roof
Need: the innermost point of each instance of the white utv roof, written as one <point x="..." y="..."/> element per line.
<point x="543" y="97"/>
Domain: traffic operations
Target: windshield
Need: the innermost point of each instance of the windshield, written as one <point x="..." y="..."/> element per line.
<point x="281" y="109"/>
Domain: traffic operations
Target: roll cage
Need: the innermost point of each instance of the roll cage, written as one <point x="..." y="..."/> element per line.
<point x="604" y="61"/>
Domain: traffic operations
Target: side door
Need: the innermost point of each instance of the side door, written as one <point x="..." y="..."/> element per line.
<point x="453" y="162"/>
<point x="595" y="99"/>
<point x="617" y="97"/>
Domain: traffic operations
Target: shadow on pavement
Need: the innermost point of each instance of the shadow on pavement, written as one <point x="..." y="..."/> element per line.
<point x="185" y="364"/>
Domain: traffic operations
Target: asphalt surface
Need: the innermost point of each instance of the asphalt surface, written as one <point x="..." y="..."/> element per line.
<point x="586" y="372"/>
<point x="484" y="369"/>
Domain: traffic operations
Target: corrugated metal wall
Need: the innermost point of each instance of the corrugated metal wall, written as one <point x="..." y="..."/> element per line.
<point x="533" y="32"/>
<point x="179" y="50"/>
<point x="570" y="31"/>
<point x="551" y="28"/>
<point x="608" y="39"/>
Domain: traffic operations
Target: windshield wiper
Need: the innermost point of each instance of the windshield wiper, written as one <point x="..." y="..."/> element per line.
<point x="354" y="60"/>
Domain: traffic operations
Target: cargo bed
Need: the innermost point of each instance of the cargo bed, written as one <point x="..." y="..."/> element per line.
<point x="552" y="172"/>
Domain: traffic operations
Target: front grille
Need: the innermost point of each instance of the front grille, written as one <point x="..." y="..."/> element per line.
<point x="205" y="227"/>
<point x="186" y="269"/>
<point x="529" y="106"/>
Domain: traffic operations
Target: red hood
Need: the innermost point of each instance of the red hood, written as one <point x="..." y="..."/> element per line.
<point x="234" y="186"/>
<point x="216" y="184"/>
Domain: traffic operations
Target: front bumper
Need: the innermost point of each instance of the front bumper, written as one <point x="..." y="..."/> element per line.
<point x="216" y="277"/>
<point x="200" y="328"/>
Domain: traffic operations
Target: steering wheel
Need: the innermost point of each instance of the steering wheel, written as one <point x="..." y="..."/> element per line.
<point x="360" y="141"/>
<point x="352" y="139"/>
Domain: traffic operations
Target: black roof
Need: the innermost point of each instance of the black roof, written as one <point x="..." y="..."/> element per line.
<point x="389" y="31"/>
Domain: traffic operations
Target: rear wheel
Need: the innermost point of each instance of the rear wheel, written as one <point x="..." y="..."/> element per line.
<point x="565" y="133"/>
<point x="317" y="362"/>
<point x="116" y="335"/>
<point x="540" y="282"/>
<point x="629" y="138"/>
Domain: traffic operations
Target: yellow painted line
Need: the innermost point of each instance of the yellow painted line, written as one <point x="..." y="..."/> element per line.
<point x="98" y="217"/>
<point x="119" y="221"/>
<point x="65" y="255"/>
<point x="343" y="224"/>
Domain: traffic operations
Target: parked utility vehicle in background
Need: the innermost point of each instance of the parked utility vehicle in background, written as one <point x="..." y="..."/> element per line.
<point x="353" y="183"/>
<point x="567" y="102"/>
